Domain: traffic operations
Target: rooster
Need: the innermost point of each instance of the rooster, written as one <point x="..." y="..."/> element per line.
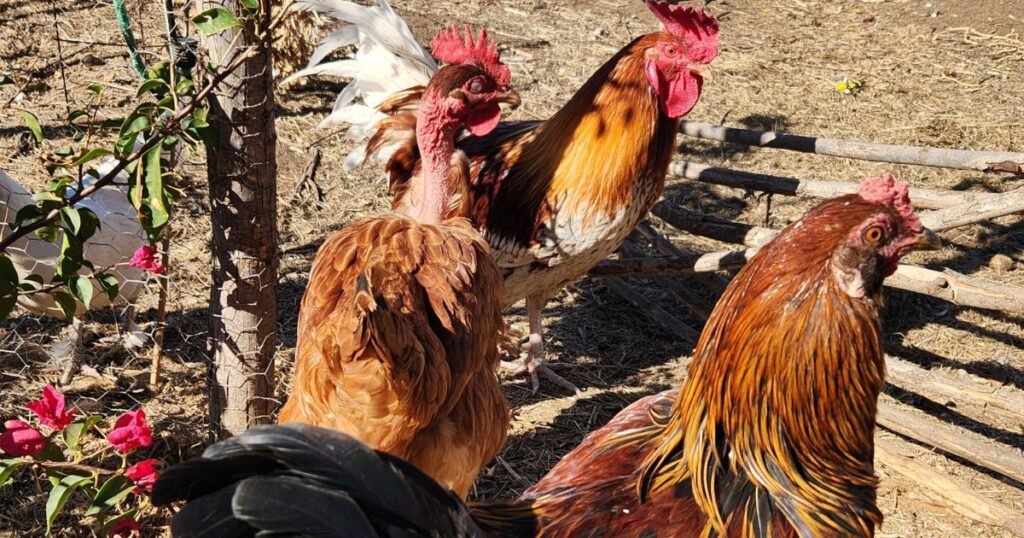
<point x="552" y="197"/>
<point x="399" y="325"/>
<point x="771" y="434"/>
<point x="113" y="245"/>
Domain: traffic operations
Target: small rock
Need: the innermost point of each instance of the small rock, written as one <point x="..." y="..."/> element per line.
<point x="1001" y="262"/>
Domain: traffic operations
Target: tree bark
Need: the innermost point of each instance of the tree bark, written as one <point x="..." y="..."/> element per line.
<point x="242" y="170"/>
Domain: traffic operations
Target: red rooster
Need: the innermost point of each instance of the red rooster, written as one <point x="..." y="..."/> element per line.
<point x="771" y="434"/>
<point x="556" y="197"/>
<point x="399" y="325"/>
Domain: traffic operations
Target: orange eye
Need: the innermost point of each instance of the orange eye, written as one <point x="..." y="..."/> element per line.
<point x="671" y="51"/>
<point x="874" y="234"/>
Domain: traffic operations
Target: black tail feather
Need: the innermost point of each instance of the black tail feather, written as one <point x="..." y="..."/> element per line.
<point x="298" y="479"/>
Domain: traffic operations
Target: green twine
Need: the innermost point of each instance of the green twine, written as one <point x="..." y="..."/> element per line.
<point x="129" y="38"/>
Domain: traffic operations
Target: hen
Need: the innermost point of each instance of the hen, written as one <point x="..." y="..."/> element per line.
<point x="398" y="328"/>
<point x="553" y="197"/>
<point x="113" y="245"/>
<point x="771" y="434"/>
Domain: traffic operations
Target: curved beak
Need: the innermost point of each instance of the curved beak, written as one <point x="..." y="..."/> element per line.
<point x="927" y="240"/>
<point x="510" y="98"/>
<point x="702" y="70"/>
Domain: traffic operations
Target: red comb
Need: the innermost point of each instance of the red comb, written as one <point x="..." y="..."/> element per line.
<point x="884" y="190"/>
<point x="698" y="29"/>
<point x="449" y="47"/>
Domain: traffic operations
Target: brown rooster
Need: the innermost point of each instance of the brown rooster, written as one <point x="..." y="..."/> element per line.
<point x="554" y="197"/>
<point x="771" y="434"/>
<point x="398" y="328"/>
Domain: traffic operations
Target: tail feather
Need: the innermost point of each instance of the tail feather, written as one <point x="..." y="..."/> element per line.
<point x="388" y="59"/>
<point x="300" y="479"/>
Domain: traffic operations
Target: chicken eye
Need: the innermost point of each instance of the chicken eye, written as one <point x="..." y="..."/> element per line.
<point x="873" y="234"/>
<point x="476" y="86"/>
<point x="671" y="51"/>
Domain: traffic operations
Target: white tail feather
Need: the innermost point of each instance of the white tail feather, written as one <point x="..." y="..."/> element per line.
<point x="388" y="59"/>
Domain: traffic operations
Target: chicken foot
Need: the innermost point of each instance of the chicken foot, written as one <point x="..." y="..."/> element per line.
<point x="533" y="363"/>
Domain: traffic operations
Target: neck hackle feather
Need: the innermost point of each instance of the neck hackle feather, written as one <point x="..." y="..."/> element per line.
<point x="777" y="417"/>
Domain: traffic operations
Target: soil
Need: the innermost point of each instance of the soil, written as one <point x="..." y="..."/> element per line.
<point x="950" y="80"/>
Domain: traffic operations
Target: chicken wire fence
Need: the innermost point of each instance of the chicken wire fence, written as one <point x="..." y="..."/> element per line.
<point x="114" y="345"/>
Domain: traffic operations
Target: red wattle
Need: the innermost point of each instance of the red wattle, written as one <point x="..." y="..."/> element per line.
<point x="483" y="119"/>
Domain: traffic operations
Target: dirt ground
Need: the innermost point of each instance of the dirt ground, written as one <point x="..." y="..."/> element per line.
<point x="941" y="72"/>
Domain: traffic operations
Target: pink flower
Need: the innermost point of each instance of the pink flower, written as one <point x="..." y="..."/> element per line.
<point x="20" y="439"/>
<point x="143" y="474"/>
<point x="130" y="432"/>
<point x="124" y="529"/>
<point x="145" y="259"/>
<point x="51" y="410"/>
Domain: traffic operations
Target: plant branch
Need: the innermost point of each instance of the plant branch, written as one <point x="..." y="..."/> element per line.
<point x="169" y="128"/>
<point x="68" y="466"/>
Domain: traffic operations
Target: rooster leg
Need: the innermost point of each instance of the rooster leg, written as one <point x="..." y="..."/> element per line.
<point x="67" y="352"/>
<point x="534" y="348"/>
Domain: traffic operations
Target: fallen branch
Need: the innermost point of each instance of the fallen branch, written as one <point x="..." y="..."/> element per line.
<point x="715" y="283"/>
<point x="958" y="288"/>
<point x="676" y="287"/>
<point x="975" y="211"/>
<point x="943" y="388"/>
<point x="653" y="312"/>
<point x="984" y="161"/>
<point x="950" y="439"/>
<point x="957" y="497"/>
<point x="923" y="198"/>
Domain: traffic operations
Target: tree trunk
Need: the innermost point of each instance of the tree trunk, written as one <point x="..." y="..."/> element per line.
<point x="242" y="170"/>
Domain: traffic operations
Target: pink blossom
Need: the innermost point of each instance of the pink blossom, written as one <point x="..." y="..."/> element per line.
<point x="143" y="474"/>
<point x="52" y="410"/>
<point x="130" y="432"/>
<point x="124" y="528"/>
<point x="145" y="258"/>
<point x="20" y="439"/>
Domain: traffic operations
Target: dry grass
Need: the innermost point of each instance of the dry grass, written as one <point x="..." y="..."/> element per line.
<point x="951" y="80"/>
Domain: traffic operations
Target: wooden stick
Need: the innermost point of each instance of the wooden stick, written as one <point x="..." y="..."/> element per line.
<point x="161" y="314"/>
<point x="675" y="286"/>
<point x="653" y="312"/>
<point x="975" y="211"/>
<point x="923" y="198"/>
<point x="716" y="283"/>
<point x="958" y="288"/>
<point x="957" y="497"/>
<point x="951" y="440"/>
<point x="939" y="386"/>
<point x="985" y="161"/>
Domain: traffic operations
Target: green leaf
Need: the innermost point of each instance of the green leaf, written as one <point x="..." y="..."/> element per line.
<point x="78" y="136"/>
<point x="90" y="223"/>
<point x="215" y="20"/>
<point x="96" y="88"/>
<point x="7" y="468"/>
<point x="199" y="118"/>
<point x="50" y="452"/>
<point x="74" y="432"/>
<point x="66" y="303"/>
<point x="109" y="285"/>
<point x="183" y="86"/>
<point x="48" y="233"/>
<point x="251" y="4"/>
<point x="64" y="151"/>
<point x="75" y="114"/>
<point x="71" y="219"/>
<point x="33" y="124"/>
<point x="155" y="199"/>
<point x="81" y="288"/>
<point x="47" y="196"/>
<point x="113" y="491"/>
<point x="25" y="215"/>
<point x="111" y="521"/>
<point x="155" y="85"/>
<point x="71" y="255"/>
<point x="60" y="494"/>
<point x="7" y="272"/>
<point x="90" y="155"/>
<point x="7" y="304"/>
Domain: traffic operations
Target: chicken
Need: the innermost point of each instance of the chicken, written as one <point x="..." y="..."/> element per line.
<point x="771" y="434"/>
<point x="113" y="244"/>
<point x="398" y="328"/>
<point x="555" y="197"/>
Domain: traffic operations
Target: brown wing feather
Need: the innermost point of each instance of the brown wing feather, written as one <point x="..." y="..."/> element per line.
<point x="397" y="344"/>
